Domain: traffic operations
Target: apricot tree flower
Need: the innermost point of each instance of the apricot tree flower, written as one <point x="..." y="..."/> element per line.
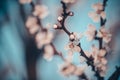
<point x="48" y="52"/>
<point x="90" y="32"/>
<point x="105" y="34"/>
<point x="41" y="11"/>
<point x="72" y="47"/>
<point x="31" y="21"/>
<point x="98" y="13"/>
<point x="67" y="68"/>
<point x="25" y="1"/>
<point x="32" y="25"/>
<point x="97" y="54"/>
<point x="43" y="38"/>
<point x="79" y="70"/>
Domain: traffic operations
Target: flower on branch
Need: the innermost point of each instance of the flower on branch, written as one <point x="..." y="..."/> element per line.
<point x="90" y="32"/>
<point x="32" y="25"/>
<point x="68" y="69"/>
<point x="40" y="11"/>
<point x="43" y="38"/>
<point x="25" y="1"/>
<point x="98" y="13"/>
<point x="72" y="46"/>
<point x="105" y="34"/>
<point x="48" y="52"/>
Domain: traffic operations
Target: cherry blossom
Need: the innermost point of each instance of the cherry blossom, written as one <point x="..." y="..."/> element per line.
<point x="72" y="47"/>
<point x="67" y="68"/>
<point x="79" y="70"/>
<point x="105" y="34"/>
<point x="90" y="32"/>
<point x="31" y="21"/>
<point x="43" y="38"/>
<point x="41" y="11"/>
<point x="95" y="15"/>
<point x="48" y="52"/>
<point x="25" y="1"/>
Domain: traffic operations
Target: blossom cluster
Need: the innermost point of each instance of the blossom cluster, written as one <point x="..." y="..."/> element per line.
<point x="44" y="38"/>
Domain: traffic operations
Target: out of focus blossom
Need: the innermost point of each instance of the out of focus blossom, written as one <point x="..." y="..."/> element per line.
<point x="32" y="25"/>
<point x="25" y="1"/>
<point x="48" y="52"/>
<point x="79" y="70"/>
<point x="90" y="32"/>
<point x="67" y="68"/>
<point x="68" y="1"/>
<point x="82" y="59"/>
<point x="44" y="38"/>
<point x="95" y="15"/>
<point x="31" y="21"/>
<point x="103" y="33"/>
<point x="40" y="11"/>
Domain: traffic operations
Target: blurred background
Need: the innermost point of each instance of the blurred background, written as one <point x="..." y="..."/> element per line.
<point x="19" y="57"/>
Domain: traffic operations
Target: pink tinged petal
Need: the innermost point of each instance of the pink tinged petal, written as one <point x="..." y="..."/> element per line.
<point x="49" y="52"/>
<point x="69" y="57"/>
<point x="97" y="6"/>
<point x="102" y="52"/>
<point x="95" y="17"/>
<point x="103" y="61"/>
<point x="34" y="29"/>
<point x="31" y="21"/>
<point x="67" y="69"/>
<point x="79" y="71"/>
<point x="102" y="73"/>
<point x="103" y="14"/>
<point x="103" y="68"/>
<point x="41" y="11"/>
<point x="88" y="54"/>
<point x="77" y="49"/>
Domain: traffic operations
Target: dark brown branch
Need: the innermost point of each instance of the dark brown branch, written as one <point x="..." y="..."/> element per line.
<point x="65" y="15"/>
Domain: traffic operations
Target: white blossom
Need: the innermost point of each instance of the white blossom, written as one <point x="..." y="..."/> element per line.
<point x="90" y="32"/>
<point x="31" y="21"/>
<point x="48" y="52"/>
<point x="79" y="70"/>
<point x="66" y="69"/>
<point x="41" y="11"/>
<point x="95" y="15"/>
<point x="72" y="47"/>
<point x="105" y="34"/>
<point x="43" y="38"/>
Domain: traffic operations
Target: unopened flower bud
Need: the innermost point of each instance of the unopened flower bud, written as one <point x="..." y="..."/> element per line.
<point x="72" y="37"/>
<point x="71" y="13"/>
<point x="60" y="18"/>
<point x="55" y="26"/>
